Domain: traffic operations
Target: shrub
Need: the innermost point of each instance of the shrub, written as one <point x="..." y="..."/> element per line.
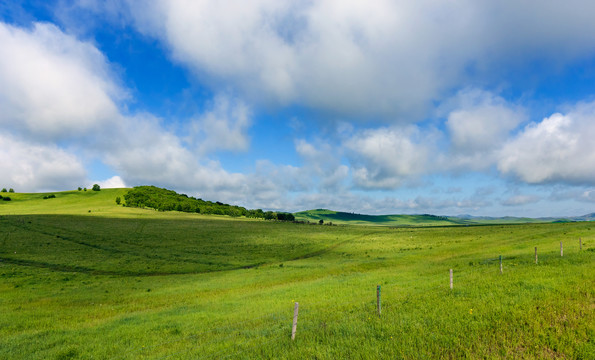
<point x="6" y="198"/>
<point x="96" y="187"/>
<point x="4" y="190"/>
<point x="11" y="190"/>
<point x="118" y="200"/>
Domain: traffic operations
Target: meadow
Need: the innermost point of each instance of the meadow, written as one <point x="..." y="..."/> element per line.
<point x="83" y="278"/>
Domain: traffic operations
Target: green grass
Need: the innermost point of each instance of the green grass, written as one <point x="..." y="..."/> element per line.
<point x="122" y="283"/>
<point x="343" y="218"/>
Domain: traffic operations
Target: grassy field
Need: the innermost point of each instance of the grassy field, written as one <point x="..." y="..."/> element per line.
<point x="343" y="218"/>
<point x="83" y="278"/>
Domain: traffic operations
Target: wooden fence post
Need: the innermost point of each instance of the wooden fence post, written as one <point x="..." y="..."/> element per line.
<point x="561" y="249"/>
<point x="451" y="279"/>
<point x="295" y="317"/>
<point x="378" y="306"/>
<point x="536" y="254"/>
<point x="501" y="264"/>
<point x="580" y="244"/>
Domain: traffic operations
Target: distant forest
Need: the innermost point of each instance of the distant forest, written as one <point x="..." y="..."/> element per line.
<point x="169" y="200"/>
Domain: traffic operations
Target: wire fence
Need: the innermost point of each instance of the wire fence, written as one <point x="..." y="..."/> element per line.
<point x="236" y="339"/>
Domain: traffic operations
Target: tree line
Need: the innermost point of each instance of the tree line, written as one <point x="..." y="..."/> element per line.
<point x="168" y="200"/>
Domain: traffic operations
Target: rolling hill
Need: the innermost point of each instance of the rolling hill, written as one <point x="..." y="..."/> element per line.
<point x="344" y="218"/>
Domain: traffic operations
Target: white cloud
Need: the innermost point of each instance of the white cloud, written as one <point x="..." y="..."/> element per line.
<point x="559" y="149"/>
<point x="383" y="158"/>
<point x="347" y="57"/>
<point x="57" y="89"/>
<point x="29" y="167"/>
<point x="111" y="183"/>
<point x="222" y="127"/>
<point x="478" y="124"/>
<point x="322" y="161"/>
<point x="481" y="122"/>
<point x="53" y="86"/>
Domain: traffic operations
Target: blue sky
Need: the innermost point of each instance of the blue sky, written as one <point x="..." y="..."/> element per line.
<point x="459" y="107"/>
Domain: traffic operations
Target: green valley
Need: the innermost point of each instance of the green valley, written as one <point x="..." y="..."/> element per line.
<point x="82" y="277"/>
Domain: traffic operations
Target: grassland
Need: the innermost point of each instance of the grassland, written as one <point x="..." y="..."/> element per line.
<point x="343" y="218"/>
<point x="81" y="277"/>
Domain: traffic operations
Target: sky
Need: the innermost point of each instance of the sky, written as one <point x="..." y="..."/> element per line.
<point x="378" y="107"/>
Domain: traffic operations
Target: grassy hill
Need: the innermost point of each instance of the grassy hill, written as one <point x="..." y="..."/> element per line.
<point x="65" y="202"/>
<point x="130" y="283"/>
<point x="343" y="218"/>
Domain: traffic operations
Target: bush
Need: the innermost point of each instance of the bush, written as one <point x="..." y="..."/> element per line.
<point x="6" y="198"/>
<point x="118" y="200"/>
<point x="11" y="190"/>
<point x="51" y="196"/>
<point x="80" y="188"/>
<point x="96" y="187"/>
<point x="4" y="190"/>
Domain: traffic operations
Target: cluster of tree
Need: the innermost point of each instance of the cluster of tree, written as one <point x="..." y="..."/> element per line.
<point x="5" y="198"/>
<point x="281" y="216"/>
<point x="51" y="196"/>
<point x="95" y="187"/>
<point x="168" y="200"/>
<point x="10" y="190"/>
<point x="435" y="217"/>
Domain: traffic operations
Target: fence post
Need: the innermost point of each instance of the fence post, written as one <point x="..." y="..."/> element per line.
<point x="580" y="244"/>
<point x="501" y="264"/>
<point x="295" y="317"/>
<point x="451" y="279"/>
<point x="536" y="254"/>
<point x="378" y="299"/>
<point x="561" y="249"/>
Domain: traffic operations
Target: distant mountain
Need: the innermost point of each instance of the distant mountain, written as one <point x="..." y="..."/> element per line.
<point x="338" y="217"/>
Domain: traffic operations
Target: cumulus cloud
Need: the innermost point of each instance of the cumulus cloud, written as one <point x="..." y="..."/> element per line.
<point x="57" y="89"/>
<point x="383" y="158"/>
<point x="478" y="123"/>
<point x="33" y="167"/>
<point x="385" y="57"/>
<point x="481" y="121"/>
<point x="53" y="85"/>
<point x="111" y="183"/>
<point x="322" y="161"/>
<point x="559" y="149"/>
<point x="222" y="127"/>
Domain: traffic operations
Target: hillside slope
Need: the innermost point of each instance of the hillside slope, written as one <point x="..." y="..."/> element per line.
<point x="65" y="202"/>
<point x="344" y="218"/>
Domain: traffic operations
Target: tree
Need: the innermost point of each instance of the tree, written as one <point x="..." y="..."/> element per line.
<point x="321" y="222"/>
<point x="4" y="190"/>
<point x="11" y="190"/>
<point x="118" y="200"/>
<point x="96" y="187"/>
<point x="80" y="188"/>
